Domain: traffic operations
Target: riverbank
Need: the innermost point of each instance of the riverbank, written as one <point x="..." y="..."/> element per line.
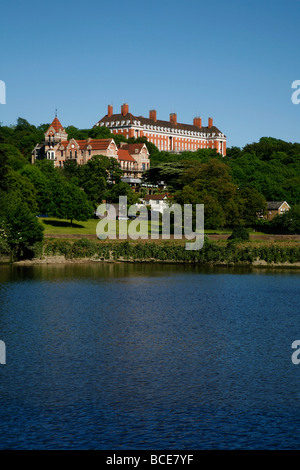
<point x="52" y="260"/>
<point x="216" y="253"/>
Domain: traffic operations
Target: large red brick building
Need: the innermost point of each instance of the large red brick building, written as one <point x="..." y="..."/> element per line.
<point x="170" y="136"/>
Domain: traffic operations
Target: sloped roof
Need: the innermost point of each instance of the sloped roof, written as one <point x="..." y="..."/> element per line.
<point x="81" y="143"/>
<point x="155" y="197"/>
<point x="125" y="155"/>
<point x="158" y="123"/>
<point x="96" y="144"/>
<point x="180" y="126"/>
<point x="131" y="148"/>
<point x="274" y="205"/>
<point x="99" y="144"/>
<point x="119" y="117"/>
<point x="56" y="124"/>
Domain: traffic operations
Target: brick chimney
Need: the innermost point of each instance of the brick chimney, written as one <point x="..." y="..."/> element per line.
<point x="210" y="122"/>
<point x="152" y="115"/>
<point x="124" y="109"/>
<point x="109" y="110"/>
<point x="198" y="121"/>
<point x="173" y="118"/>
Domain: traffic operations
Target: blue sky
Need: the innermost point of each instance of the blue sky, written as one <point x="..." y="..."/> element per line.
<point x="232" y="60"/>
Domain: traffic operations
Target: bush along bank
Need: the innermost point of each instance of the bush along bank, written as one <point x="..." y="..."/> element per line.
<point x="234" y="252"/>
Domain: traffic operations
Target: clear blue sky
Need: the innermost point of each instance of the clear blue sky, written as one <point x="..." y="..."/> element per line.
<point x="232" y="60"/>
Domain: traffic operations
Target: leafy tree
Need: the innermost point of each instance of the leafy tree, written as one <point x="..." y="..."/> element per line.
<point x="70" y="202"/>
<point x="122" y="189"/>
<point x="250" y="203"/>
<point x="209" y="184"/>
<point x="170" y="173"/>
<point x="4" y="168"/>
<point x="41" y="183"/>
<point x="71" y="171"/>
<point x="18" y="226"/>
<point x="100" y="132"/>
<point x="288" y="222"/>
<point x="98" y="176"/>
<point x="239" y="233"/>
<point x="25" y="190"/>
<point x="14" y="157"/>
<point x="271" y="166"/>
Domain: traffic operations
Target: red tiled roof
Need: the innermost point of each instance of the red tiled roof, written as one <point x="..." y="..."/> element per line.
<point x="131" y="148"/>
<point x="155" y="197"/>
<point x="82" y="144"/>
<point x="96" y="144"/>
<point x="99" y="144"/>
<point x="56" y="124"/>
<point x="125" y="155"/>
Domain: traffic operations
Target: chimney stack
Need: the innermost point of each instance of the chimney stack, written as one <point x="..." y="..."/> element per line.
<point x="152" y="115"/>
<point x="109" y="110"/>
<point x="173" y="118"/>
<point x="198" y="121"/>
<point x="124" y="109"/>
<point x="210" y="122"/>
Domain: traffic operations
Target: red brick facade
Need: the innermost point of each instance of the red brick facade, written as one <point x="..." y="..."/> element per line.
<point x="166" y="135"/>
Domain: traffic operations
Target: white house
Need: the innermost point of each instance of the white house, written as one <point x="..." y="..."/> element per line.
<point x="158" y="202"/>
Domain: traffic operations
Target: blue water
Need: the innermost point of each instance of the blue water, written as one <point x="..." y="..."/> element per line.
<point x="148" y="357"/>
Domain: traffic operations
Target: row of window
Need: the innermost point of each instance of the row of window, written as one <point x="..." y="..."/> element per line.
<point x="160" y="129"/>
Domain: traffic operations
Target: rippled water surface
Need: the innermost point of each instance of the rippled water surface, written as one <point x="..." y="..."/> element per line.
<point x="148" y="357"/>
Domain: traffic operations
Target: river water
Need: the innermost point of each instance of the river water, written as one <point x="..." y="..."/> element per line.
<point x="139" y="356"/>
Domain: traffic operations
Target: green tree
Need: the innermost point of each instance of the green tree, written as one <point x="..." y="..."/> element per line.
<point x="289" y="222"/>
<point x="210" y="184"/>
<point x="15" y="159"/>
<point x="98" y="177"/>
<point x="18" y="226"/>
<point x="250" y="203"/>
<point x="23" y="187"/>
<point x="41" y="184"/>
<point x="122" y="189"/>
<point x="70" y="202"/>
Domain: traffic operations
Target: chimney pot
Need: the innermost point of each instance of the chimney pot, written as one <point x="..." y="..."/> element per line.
<point x="152" y="115"/>
<point x="124" y="109"/>
<point x="198" y="121"/>
<point x="173" y="118"/>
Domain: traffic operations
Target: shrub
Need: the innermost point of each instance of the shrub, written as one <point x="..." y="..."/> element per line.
<point x="239" y="233"/>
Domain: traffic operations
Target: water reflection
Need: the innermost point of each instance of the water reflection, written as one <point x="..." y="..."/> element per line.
<point x="113" y="356"/>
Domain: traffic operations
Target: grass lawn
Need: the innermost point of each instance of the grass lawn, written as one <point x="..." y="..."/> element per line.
<point x="63" y="227"/>
<point x="55" y="226"/>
